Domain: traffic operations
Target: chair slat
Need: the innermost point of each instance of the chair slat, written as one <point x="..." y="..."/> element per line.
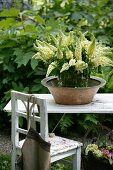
<point x="22" y="114"/>
<point x="23" y="131"/>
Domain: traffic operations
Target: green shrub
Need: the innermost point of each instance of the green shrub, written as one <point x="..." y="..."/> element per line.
<point x="5" y="162"/>
<point x="18" y="31"/>
<point x="60" y="166"/>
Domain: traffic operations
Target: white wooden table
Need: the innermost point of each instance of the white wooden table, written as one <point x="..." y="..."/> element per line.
<point x="102" y="103"/>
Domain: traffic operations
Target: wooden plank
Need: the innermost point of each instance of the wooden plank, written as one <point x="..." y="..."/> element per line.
<point x="102" y="103"/>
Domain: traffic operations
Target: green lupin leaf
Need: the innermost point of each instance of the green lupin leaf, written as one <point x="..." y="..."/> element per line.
<point x="91" y="48"/>
<point x="9" y="12"/>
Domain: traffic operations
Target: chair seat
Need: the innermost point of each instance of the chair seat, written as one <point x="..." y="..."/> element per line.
<point x="59" y="145"/>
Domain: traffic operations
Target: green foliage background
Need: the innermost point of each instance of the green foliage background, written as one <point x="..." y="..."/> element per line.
<point x="18" y="31"/>
<point x="5" y="164"/>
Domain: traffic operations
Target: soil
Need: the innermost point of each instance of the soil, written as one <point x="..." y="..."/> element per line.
<point x="5" y="141"/>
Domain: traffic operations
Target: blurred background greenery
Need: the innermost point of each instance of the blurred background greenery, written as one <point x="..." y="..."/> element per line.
<point x="24" y="21"/>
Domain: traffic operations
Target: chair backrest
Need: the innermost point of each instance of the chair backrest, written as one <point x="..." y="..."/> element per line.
<point x="23" y="104"/>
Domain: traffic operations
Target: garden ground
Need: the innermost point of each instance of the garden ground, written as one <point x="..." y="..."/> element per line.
<point x="5" y="153"/>
<point x="5" y="142"/>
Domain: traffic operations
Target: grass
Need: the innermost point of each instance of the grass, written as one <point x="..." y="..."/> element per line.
<point x="5" y="164"/>
<point x="60" y="166"/>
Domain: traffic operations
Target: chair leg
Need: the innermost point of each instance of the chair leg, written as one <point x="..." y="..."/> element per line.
<point x="77" y="159"/>
<point x="13" y="159"/>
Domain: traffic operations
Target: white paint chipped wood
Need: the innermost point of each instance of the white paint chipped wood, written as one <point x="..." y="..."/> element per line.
<point x="102" y="103"/>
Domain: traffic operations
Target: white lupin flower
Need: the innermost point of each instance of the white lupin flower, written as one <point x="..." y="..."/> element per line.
<point x="72" y="62"/>
<point x="101" y="51"/>
<point x="65" y="40"/>
<point x="84" y="41"/>
<point x="50" y="46"/>
<point x="46" y="51"/>
<point x="69" y="54"/>
<point x="78" y="50"/>
<point x="51" y="68"/>
<point x="85" y="44"/>
<point x="80" y="65"/>
<point x="101" y="61"/>
<point x="65" y="67"/>
<point x="59" y="54"/>
<point x="39" y="43"/>
<point x="38" y="56"/>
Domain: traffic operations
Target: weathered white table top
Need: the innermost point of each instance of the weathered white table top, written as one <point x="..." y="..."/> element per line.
<point x="102" y="103"/>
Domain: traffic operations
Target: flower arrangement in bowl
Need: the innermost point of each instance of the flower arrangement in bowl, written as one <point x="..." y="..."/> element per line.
<point x="71" y="58"/>
<point x="99" y="156"/>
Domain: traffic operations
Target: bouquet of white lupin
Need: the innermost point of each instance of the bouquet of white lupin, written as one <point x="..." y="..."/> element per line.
<point x="72" y="57"/>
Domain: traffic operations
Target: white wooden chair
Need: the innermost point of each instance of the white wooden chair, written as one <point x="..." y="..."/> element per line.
<point x="60" y="147"/>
